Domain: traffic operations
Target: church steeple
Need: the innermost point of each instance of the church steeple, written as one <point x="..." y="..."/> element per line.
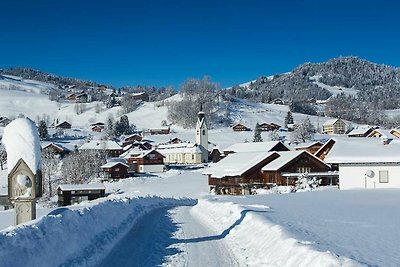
<point x="202" y="133"/>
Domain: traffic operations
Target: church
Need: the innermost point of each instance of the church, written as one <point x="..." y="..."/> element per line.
<point x="188" y="153"/>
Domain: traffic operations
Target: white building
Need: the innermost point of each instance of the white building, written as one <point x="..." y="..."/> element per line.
<point x="366" y="163"/>
<point x="182" y="153"/>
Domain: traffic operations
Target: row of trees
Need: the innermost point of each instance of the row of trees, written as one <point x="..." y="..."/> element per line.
<point x="198" y="94"/>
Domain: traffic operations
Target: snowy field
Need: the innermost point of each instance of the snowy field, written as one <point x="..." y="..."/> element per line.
<point x="321" y="228"/>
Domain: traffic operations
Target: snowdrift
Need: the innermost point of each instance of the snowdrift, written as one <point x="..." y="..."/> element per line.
<point x="77" y="237"/>
<point x="255" y="241"/>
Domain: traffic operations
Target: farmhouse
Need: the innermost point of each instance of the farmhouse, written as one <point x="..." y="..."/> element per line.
<point x="69" y="194"/>
<point x="63" y="125"/>
<point x="145" y="161"/>
<point x="131" y="139"/>
<point x="238" y="127"/>
<point x="366" y="163"/>
<point x="239" y="172"/>
<point x="154" y="131"/>
<point x="266" y="127"/>
<point x="115" y="170"/>
<point x="110" y="147"/>
<point x="97" y="129"/>
<point x="256" y="147"/>
<point x="142" y="96"/>
<point x="361" y="131"/>
<point x="55" y="148"/>
<point x="334" y="126"/>
<point x="286" y="169"/>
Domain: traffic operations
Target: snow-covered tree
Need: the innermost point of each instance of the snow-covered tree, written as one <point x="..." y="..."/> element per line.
<point x="3" y="156"/>
<point x="303" y="132"/>
<point x="128" y="103"/>
<point x="42" y="128"/>
<point x="109" y="128"/>
<point x="257" y="133"/>
<point x="273" y="135"/>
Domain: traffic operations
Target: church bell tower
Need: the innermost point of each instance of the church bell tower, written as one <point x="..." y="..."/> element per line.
<point x="202" y="132"/>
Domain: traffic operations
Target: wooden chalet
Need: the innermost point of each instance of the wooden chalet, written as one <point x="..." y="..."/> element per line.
<point x="310" y="147"/>
<point x="100" y="124"/>
<point x="142" y="96"/>
<point x="175" y="140"/>
<point x="115" y="170"/>
<point x="154" y="131"/>
<point x="110" y="147"/>
<point x="148" y="161"/>
<point x="256" y="147"/>
<point x="63" y="125"/>
<point x="395" y="132"/>
<point x="238" y="127"/>
<point x="285" y="169"/>
<point x="131" y="139"/>
<point x="267" y="127"/>
<point x="69" y="194"/>
<point x="361" y="131"/>
<point x="239" y="172"/>
<point x="97" y="129"/>
<point x="56" y="149"/>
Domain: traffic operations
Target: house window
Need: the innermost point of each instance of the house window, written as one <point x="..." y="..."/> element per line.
<point x="384" y="176"/>
<point x="204" y="132"/>
<point x="192" y="157"/>
<point x="116" y="169"/>
<point x="303" y="169"/>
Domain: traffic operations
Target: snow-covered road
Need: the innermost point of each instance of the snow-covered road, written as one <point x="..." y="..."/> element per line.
<point x="171" y="237"/>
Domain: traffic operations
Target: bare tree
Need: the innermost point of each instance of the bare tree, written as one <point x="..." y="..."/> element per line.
<point x="50" y="164"/>
<point x="3" y="156"/>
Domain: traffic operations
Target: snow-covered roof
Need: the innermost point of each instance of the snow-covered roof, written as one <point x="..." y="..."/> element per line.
<point x="59" y="124"/>
<point x="330" y="122"/>
<point x="21" y="140"/>
<point x="59" y="146"/>
<point x="284" y="158"/>
<point x="237" y="164"/>
<point x="384" y="133"/>
<point x="360" y="130"/>
<point x="181" y="148"/>
<point x="70" y="187"/>
<point x="101" y="145"/>
<point x="111" y="164"/>
<point x="308" y="144"/>
<point x="252" y="147"/>
<point x="364" y="150"/>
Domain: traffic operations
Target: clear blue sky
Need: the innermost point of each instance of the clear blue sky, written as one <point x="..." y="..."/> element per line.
<point x="160" y="42"/>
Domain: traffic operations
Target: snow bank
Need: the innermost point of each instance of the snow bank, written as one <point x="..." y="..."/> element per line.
<point x="21" y="140"/>
<point x="84" y="235"/>
<point x="255" y="241"/>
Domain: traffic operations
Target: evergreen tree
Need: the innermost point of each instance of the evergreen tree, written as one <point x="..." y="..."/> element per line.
<point x="257" y="133"/>
<point x="289" y="118"/>
<point x="42" y="128"/>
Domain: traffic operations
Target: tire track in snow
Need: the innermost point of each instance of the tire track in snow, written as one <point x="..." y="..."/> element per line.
<point x="170" y="237"/>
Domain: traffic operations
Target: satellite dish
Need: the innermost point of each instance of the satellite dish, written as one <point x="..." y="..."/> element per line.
<point x="370" y="174"/>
